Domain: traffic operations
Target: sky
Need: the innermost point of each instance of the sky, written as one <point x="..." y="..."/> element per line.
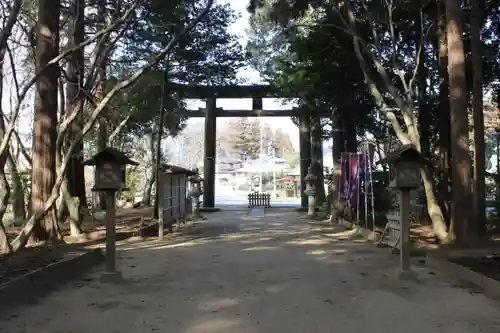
<point x="285" y="123"/>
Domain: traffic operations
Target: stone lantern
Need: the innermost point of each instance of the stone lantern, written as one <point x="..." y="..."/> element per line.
<point x="407" y="163"/>
<point x="109" y="178"/>
<point x="109" y="170"/>
<point x="196" y="192"/>
<point x="310" y="180"/>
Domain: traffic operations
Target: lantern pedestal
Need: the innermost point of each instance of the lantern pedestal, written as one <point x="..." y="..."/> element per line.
<point x="310" y="180"/>
<point x="405" y="250"/>
<point x="407" y="275"/>
<point x="407" y="163"/>
<point x="195" y="195"/>
<point x="111" y="274"/>
<point x="112" y="277"/>
<point x="109" y="178"/>
<point x="311" y="200"/>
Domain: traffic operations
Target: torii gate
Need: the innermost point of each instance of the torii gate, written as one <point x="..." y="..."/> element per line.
<point x="211" y="112"/>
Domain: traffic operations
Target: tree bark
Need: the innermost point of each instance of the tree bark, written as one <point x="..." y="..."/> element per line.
<point x="4" y="184"/>
<point x="444" y="181"/>
<point x="459" y="129"/>
<point x="74" y="186"/>
<point x="424" y="119"/>
<point x="17" y="200"/>
<point x="317" y="158"/>
<point x="102" y="137"/>
<point x="478" y="121"/>
<point x="45" y="122"/>
<point x="349" y="134"/>
<point x="337" y="149"/>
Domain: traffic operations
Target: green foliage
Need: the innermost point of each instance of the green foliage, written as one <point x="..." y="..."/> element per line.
<point x="245" y="137"/>
<point x="316" y="61"/>
<point x="302" y="46"/>
<point x="209" y="54"/>
<point x="133" y="181"/>
<point x="291" y="158"/>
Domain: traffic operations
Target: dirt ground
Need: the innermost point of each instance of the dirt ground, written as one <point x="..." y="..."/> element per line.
<point x="259" y="272"/>
<point x="33" y="258"/>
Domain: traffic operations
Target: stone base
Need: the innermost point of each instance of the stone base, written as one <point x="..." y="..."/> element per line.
<point x="407" y="275"/>
<point x="112" y="277"/>
<point x="209" y="209"/>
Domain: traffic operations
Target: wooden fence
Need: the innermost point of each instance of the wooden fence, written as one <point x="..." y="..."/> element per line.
<point x="256" y="199"/>
<point x="175" y="193"/>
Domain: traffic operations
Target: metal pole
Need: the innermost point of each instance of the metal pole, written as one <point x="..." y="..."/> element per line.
<point x="365" y="183"/>
<point x="261" y="188"/>
<point x="497" y="182"/>
<point x="372" y="196"/>
<point x="358" y="181"/>
<point x="274" y="169"/>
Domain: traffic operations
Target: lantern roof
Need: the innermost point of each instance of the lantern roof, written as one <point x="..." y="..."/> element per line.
<point x="407" y="153"/>
<point x="110" y="155"/>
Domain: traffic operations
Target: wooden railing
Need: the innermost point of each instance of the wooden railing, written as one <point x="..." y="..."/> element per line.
<point x="257" y="199"/>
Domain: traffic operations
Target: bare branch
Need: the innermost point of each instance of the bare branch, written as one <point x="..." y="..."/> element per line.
<point x="104" y="48"/>
<point x="424" y="33"/>
<point x="13" y="72"/>
<point x="118" y="129"/>
<point x="22" y="237"/>
<point x="11" y="20"/>
<point x="15" y="114"/>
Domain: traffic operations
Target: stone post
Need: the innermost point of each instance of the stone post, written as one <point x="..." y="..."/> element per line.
<point x="305" y="153"/>
<point x="111" y="274"/>
<point x="210" y="151"/>
<point x="310" y="179"/>
<point x="405" y="241"/>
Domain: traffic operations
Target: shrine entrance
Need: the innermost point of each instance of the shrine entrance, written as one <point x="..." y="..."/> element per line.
<point x="210" y="112"/>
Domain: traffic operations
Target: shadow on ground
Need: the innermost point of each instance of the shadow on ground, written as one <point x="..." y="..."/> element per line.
<point x="272" y="272"/>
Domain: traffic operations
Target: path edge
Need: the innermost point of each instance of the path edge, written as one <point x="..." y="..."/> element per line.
<point x="442" y="263"/>
<point x="33" y="285"/>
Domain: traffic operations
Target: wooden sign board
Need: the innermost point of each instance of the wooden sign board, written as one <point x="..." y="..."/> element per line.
<point x="391" y="235"/>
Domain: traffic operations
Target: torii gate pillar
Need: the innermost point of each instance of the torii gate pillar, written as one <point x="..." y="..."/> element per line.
<point x="210" y="152"/>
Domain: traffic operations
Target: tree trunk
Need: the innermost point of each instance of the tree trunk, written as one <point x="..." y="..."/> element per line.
<point x="443" y="186"/>
<point x="459" y="127"/>
<point x="349" y="134"/>
<point x="102" y="138"/>
<point x="148" y="187"/>
<point x="337" y="149"/>
<point x="4" y="184"/>
<point x="45" y="122"/>
<point x="74" y="187"/>
<point x="424" y="119"/>
<point x="317" y="158"/>
<point x="4" y="202"/>
<point x="17" y="200"/>
<point x="478" y="120"/>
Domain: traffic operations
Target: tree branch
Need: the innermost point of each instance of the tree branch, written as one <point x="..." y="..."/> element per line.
<point x="11" y="21"/>
<point x="23" y="236"/>
<point x="118" y="129"/>
<point x="15" y="113"/>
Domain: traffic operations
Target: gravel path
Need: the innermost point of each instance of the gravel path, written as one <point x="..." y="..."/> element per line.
<point x="249" y="273"/>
